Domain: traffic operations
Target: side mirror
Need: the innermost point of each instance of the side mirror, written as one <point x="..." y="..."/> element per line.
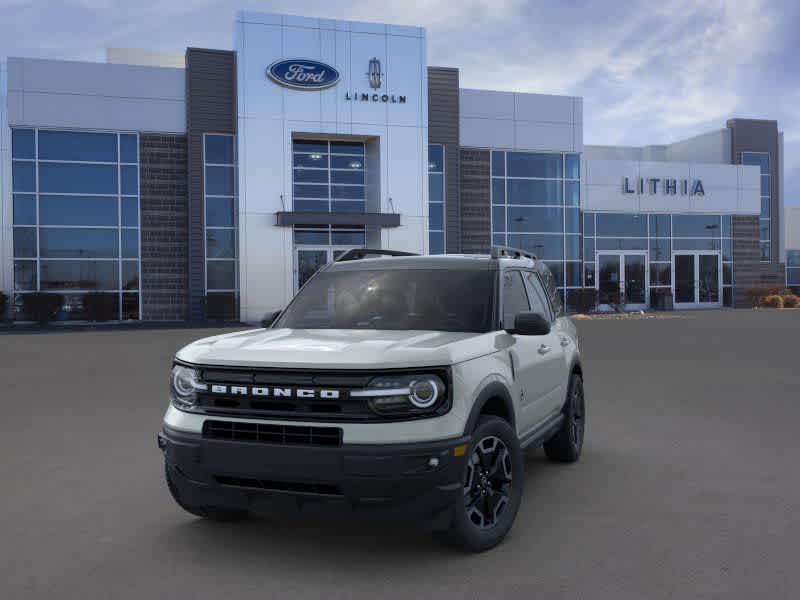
<point x="269" y="319"/>
<point x="530" y="323"/>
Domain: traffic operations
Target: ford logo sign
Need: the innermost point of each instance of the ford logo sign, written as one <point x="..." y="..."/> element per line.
<point x="303" y="74"/>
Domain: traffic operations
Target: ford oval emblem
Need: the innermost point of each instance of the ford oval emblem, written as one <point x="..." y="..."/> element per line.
<point x="303" y="74"/>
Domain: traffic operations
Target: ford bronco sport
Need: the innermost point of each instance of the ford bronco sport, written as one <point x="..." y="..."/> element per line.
<point x="392" y="384"/>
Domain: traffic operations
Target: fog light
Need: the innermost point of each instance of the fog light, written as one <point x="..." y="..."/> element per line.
<point x="433" y="462"/>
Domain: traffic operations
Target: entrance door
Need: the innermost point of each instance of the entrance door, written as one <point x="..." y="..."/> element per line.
<point x="697" y="279"/>
<point x="622" y="280"/>
<point x="308" y="260"/>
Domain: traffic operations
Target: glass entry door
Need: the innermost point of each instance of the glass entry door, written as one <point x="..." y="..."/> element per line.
<point x="308" y="260"/>
<point x="697" y="279"/>
<point x="622" y="280"/>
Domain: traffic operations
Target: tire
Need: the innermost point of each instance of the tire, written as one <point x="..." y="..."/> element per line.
<point x="493" y="483"/>
<point x="212" y="513"/>
<point x="567" y="443"/>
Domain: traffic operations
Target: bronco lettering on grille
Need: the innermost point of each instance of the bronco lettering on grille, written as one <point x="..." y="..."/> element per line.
<point x="275" y="392"/>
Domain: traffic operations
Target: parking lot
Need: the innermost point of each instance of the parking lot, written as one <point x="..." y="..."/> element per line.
<point x="688" y="487"/>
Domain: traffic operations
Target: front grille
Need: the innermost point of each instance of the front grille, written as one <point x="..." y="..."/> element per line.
<point x="295" y="487"/>
<point x="290" y="435"/>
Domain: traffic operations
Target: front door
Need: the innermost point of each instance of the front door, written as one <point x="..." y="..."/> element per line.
<point x="622" y="280"/>
<point x="697" y="279"/>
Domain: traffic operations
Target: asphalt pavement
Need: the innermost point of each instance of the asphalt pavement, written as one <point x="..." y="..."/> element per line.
<point x="688" y="486"/>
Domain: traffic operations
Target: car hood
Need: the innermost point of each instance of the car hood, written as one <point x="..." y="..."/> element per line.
<point x="338" y="348"/>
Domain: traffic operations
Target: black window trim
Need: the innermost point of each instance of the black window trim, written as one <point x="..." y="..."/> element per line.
<point x="545" y="295"/>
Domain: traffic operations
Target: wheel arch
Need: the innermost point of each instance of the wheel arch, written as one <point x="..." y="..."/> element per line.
<point x="494" y="399"/>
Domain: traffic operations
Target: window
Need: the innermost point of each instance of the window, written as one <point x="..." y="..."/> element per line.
<point x="76" y="218"/>
<point x="328" y="176"/>
<point x="436" y="198"/>
<point x="219" y="155"/>
<point x="537" y="296"/>
<point x="536" y="207"/>
<point x="515" y="299"/>
<point x="762" y="160"/>
<point x="793" y="268"/>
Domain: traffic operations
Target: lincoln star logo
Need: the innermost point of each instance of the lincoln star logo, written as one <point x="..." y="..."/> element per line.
<point x="274" y="392"/>
<point x="303" y="74"/>
<point x="374" y="74"/>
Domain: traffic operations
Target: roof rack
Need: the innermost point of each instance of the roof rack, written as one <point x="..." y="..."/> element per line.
<point x="508" y="252"/>
<point x="359" y="253"/>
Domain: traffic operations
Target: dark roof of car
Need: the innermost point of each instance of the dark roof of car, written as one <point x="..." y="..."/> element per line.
<point x="450" y="261"/>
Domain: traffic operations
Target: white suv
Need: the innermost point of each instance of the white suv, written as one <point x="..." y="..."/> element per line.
<point x="392" y="385"/>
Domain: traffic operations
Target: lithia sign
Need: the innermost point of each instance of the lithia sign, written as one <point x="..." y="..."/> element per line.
<point x="667" y="186"/>
<point x="306" y="74"/>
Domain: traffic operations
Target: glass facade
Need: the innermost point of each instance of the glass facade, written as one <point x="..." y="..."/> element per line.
<point x="536" y="207"/>
<point x="221" y="223"/>
<point x="761" y="160"/>
<point x="436" y="199"/>
<point x="76" y="220"/>
<point x="328" y="176"/>
<point x="793" y="268"/>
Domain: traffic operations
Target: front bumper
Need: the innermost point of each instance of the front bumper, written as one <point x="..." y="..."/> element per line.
<point x="417" y="481"/>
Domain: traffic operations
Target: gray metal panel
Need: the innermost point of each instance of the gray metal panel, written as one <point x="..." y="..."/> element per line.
<point x="210" y="108"/>
<point x="443" y="128"/>
<point x="287" y="219"/>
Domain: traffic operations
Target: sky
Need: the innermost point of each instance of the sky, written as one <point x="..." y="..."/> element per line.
<point x="649" y="72"/>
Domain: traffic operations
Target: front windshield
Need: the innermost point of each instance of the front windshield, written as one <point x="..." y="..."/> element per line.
<point x="429" y="299"/>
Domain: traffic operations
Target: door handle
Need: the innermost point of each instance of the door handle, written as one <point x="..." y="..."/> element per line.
<point x="564" y="341"/>
<point x="544" y="349"/>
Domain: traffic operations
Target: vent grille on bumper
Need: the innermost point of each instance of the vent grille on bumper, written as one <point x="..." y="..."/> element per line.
<point x="273" y="434"/>
<point x="293" y="487"/>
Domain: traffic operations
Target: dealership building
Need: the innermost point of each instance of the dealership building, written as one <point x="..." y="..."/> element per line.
<point x="212" y="183"/>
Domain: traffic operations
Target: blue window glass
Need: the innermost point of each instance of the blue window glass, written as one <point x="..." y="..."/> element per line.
<point x="347" y="148"/>
<point x="660" y="249"/>
<point x="499" y="239"/>
<point x="588" y="224"/>
<point x="219" y="181"/>
<point x="347" y="192"/>
<point x="219" y="212"/>
<point x="660" y="226"/>
<point x="766" y="251"/>
<point x="621" y="244"/>
<point x="348" y="238"/>
<point x="624" y="225"/>
<point x="310" y="146"/>
<point x="23" y="143"/>
<point x="498" y="191"/>
<point x="25" y="242"/>
<point x="545" y="247"/>
<point x="765" y="208"/>
<point x="77" y="210"/>
<point x="572" y="245"/>
<point x="436" y="242"/>
<point x="221" y="274"/>
<point x="130" y="243"/>
<point x="572" y="191"/>
<point x="498" y="163"/>
<point x="128" y="148"/>
<point x="311" y="175"/>
<point x="130" y="275"/>
<point x="219" y="149"/>
<point x="793" y="258"/>
<point x="535" y="220"/>
<point x="498" y="218"/>
<point x="727" y="226"/>
<point x="77" y="179"/>
<point x="130" y="307"/>
<point x="435" y="158"/>
<point x="24" y="275"/>
<point x="588" y="274"/>
<point x="343" y="162"/>
<point x="78" y="243"/>
<point x="793" y="277"/>
<point x="319" y="161"/>
<point x="312" y="237"/>
<point x="436" y="187"/>
<point x="727" y="249"/>
<point x="436" y="216"/>
<point x="695" y="244"/>
<point x="572" y="220"/>
<point x="557" y="269"/>
<point x="763" y="228"/>
<point x="759" y="159"/>
<point x="572" y="274"/>
<point x="727" y="274"/>
<point x="79" y="146"/>
<point x="129" y="180"/>
<point x="23" y="176"/>
<point x="530" y="191"/>
<point x="348" y="206"/>
<point x="220" y="243"/>
<point x="310" y="191"/>
<point x="355" y="177"/>
<point x="765" y="185"/>
<point x="79" y="275"/>
<point x="311" y="205"/>
<point x="588" y="249"/>
<point x="530" y="164"/>
<point x="661" y="274"/>
<point x="696" y="225"/>
<point x="573" y="166"/>
<point x="130" y="212"/>
<point x="24" y="209"/>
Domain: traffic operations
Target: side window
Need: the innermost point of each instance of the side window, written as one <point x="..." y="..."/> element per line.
<point x="537" y="295"/>
<point x="515" y="299"/>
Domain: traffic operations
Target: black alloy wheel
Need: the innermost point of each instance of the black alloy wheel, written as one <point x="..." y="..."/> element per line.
<point x="487" y="485"/>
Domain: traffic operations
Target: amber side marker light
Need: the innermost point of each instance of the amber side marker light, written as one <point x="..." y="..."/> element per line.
<point x="460" y="450"/>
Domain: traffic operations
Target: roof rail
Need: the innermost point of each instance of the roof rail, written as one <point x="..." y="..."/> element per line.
<point x="508" y="252"/>
<point x="359" y="253"/>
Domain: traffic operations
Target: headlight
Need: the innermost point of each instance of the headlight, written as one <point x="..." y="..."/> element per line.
<point x="404" y="394"/>
<point x="184" y="385"/>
